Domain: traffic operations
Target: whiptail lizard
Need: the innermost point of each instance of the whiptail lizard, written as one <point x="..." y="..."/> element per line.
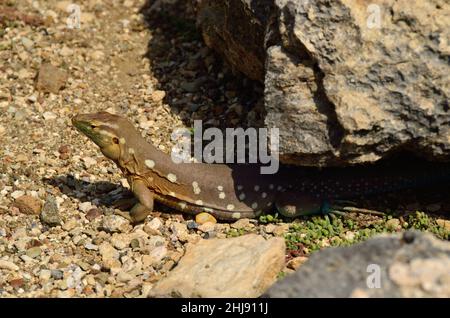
<point x="229" y="192"/>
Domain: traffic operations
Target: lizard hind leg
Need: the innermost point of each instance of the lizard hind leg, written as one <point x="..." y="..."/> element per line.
<point x="291" y="204"/>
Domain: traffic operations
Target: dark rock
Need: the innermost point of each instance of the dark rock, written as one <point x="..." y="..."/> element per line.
<point x="416" y="268"/>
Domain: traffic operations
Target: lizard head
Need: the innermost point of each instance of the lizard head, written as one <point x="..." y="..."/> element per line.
<point x="106" y="130"/>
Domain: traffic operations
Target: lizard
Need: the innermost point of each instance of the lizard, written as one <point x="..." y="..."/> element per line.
<point x="229" y="192"/>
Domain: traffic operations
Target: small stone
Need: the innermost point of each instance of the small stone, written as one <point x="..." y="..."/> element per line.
<point x="28" y="205"/>
<point x="16" y="283"/>
<point x="209" y="235"/>
<point x="153" y="227"/>
<point x="181" y="231"/>
<point x="8" y="265"/>
<point x="115" y="223"/>
<point x="27" y="43"/>
<point x="393" y="224"/>
<point x="49" y="116"/>
<point x="120" y="241"/>
<point x="158" y="95"/>
<point x="85" y="206"/>
<point x="57" y="274"/>
<point x="444" y="224"/>
<point x="65" y="51"/>
<point x="50" y="79"/>
<point x="296" y="262"/>
<point x="207" y="227"/>
<point x="280" y="230"/>
<point x="89" y="162"/>
<point x="34" y="252"/>
<point x="192" y="225"/>
<point x="241" y="224"/>
<point x="158" y="253"/>
<point x="135" y="243"/>
<point x="16" y="194"/>
<point x="91" y="247"/>
<point x="45" y="275"/>
<point x="97" y="55"/>
<point x="349" y="235"/>
<point x="124" y="277"/>
<point x="93" y="214"/>
<point x="205" y="217"/>
<point x="50" y="213"/>
<point x="69" y="225"/>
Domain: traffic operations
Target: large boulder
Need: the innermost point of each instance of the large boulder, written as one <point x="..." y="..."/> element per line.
<point x="346" y="81"/>
<point x="410" y="265"/>
<point x="237" y="267"/>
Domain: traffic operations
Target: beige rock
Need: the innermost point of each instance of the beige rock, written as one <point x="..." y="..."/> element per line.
<point x="51" y="79"/>
<point x="28" y="205"/>
<point x="238" y="267"/>
<point x="296" y="262"/>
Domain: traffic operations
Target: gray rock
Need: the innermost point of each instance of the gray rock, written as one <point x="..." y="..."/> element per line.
<point x="49" y="214"/>
<point x="412" y="264"/>
<point x="57" y="274"/>
<point x="341" y="89"/>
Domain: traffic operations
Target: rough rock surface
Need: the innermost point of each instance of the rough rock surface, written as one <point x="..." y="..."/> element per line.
<point x="236" y="267"/>
<point x="346" y="81"/>
<point x="412" y="265"/>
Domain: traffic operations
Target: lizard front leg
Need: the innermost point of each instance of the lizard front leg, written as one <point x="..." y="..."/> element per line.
<point x="145" y="205"/>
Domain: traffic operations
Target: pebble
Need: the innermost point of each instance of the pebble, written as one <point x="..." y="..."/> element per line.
<point x="50" y="213"/>
<point x="89" y="162"/>
<point x="69" y="225"/>
<point x="158" y="96"/>
<point x="28" y="205"/>
<point x="120" y="241"/>
<point x="204" y="218"/>
<point x="27" y="43"/>
<point x="34" y="252"/>
<point x="153" y="227"/>
<point x="124" y="277"/>
<point x="93" y="214"/>
<point x="8" y="265"/>
<point x="393" y="224"/>
<point x="207" y="227"/>
<point x="65" y="51"/>
<point x="296" y="262"/>
<point x="45" y="275"/>
<point x="280" y="230"/>
<point x="57" y="274"/>
<point x="85" y="206"/>
<point x="16" y="194"/>
<point x="50" y="79"/>
<point x="191" y="225"/>
<point x="115" y="223"/>
<point x="181" y="231"/>
<point x="91" y="247"/>
<point x="49" y="116"/>
<point x="241" y="224"/>
<point x="444" y="224"/>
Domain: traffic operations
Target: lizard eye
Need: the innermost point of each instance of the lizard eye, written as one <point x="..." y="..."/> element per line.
<point x="93" y="126"/>
<point x="115" y="140"/>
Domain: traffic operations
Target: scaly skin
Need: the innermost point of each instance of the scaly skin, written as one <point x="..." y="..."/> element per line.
<point x="228" y="192"/>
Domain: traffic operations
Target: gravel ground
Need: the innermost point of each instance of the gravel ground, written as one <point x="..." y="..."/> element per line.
<point x="58" y="234"/>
